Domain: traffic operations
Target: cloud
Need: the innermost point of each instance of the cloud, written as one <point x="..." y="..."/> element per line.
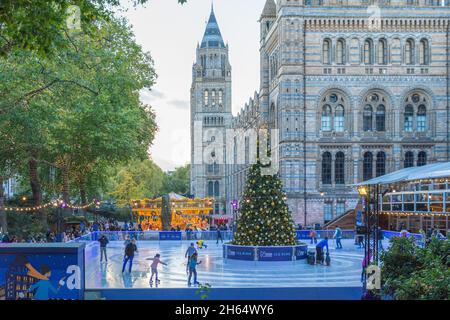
<point x="180" y="104"/>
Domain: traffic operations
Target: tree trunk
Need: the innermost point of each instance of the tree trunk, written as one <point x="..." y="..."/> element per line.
<point x="83" y="195"/>
<point x="36" y="188"/>
<point x="3" y="218"/>
<point x="82" y="186"/>
<point x="66" y="184"/>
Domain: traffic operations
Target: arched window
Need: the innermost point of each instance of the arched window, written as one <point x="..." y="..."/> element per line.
<point x="421" y="158"/>
<point x="368" y="52"/>
<point x="409" y="51"/>
<point x="424" y="54"/>
<point x="326" y="49"/>
<point x="340" y="51"/>
<point x="220" y="97"/>
<point x="367" y="166"/>
<point x="375" y="102"/>
<point x="381" y="164"/>
<point x="339" y="168"/>
<point x="422" y="118"/>
<point x="382" y="52"/>
<point x="367" y="118"/>
<point x="409" y="159"/>
<point x="409" y="118"/>
<point x="210" y="189"/>
<point x="381" y="118"/>
<point x="213" y="97"/>
<point x="326" y="168"/>
<point x="326" y="118"/>
<point x="339" y="120"/>
<point x="216" y="189"/>
<point x="206" y="98"/>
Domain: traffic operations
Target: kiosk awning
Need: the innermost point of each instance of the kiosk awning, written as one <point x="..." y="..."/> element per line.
<point x="430" y="171"/>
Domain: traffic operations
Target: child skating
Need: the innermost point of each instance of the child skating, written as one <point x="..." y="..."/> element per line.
<point x="154" y="267"/>
<point x="193" y="268"/>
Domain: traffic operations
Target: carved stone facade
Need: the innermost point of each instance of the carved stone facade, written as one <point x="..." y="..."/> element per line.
<point x="356" y="90"/>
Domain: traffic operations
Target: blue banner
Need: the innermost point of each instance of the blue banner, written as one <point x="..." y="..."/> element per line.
<point x="275" y="253"/>
<point x="42" y="271"/>
<point x="301" y="252"/>
<point x="170" y="236"/>
<point x="240" y="253"/>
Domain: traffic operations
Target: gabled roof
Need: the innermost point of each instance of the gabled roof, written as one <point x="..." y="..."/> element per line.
<point x="212" y="37"/>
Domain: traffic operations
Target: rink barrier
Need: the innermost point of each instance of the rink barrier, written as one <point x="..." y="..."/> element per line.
<point x="155" y="236"/>
<point x="211" y="235"/>
<point x="265" y="253"/>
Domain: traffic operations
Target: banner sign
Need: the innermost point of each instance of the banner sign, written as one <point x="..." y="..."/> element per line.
<point x="275" y="253"/>
<point x="301" y="252"/>
<point x="240" y="253"/>
<point x="170" y="236"/>
<point x="42" y="271"/>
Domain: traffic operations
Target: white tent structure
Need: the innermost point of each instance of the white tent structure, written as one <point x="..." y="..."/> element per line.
<point x="431" y="171"/>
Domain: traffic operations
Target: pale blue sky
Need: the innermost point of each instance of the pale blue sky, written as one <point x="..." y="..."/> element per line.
<point x="170" y="32"/>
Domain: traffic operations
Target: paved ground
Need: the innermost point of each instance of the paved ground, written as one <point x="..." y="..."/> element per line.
<point x="345" y="269"/>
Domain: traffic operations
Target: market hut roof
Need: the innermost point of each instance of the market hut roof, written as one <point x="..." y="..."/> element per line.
<point x="430" y="171"/>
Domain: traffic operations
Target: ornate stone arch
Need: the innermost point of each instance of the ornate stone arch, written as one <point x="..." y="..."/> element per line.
<point x="427" y="99"/>
<point x="386" y="99"/>
<point x="341" y="93"/>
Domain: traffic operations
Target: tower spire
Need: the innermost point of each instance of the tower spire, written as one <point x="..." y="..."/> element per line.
<point x="212" y="37"/>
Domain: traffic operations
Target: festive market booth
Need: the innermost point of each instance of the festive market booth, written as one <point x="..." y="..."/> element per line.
<point x="182" y="212"/>
<point x="414" y="198"/>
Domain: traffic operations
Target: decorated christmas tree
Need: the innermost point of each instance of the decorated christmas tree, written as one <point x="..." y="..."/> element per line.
<point x="264" y="218"/>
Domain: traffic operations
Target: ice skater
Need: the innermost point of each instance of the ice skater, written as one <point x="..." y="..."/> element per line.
<point x="154" y="266"/>
<point x="338" y="236"/>
<point x="130" y="249"/>
<point x="193" y="268"/>
<point x="189" y="252"/>
<point x="103" y="243"/>
<point x="201" y="244"/>
<point x="219" y="235"/>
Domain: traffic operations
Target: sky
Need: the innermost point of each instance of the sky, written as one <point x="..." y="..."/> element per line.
<point x="170" y="32"/>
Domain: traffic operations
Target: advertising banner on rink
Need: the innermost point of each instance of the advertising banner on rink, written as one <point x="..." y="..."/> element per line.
<point x="170" y="236"/>
<point x="239" y="253"/>
<point x="275" y="253"/>
<point x="42" y="271"/>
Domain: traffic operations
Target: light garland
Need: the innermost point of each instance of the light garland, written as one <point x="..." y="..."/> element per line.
<point x="405" y="214"/>
<point x="54" y="204"/>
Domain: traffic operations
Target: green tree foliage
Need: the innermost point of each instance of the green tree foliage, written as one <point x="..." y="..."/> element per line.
<point x="264" y="218"/>
<point x="410" y="272"/>
<point x="137" y="180"/>
<point x="76" y="113"/>
<point x="178" y="181"/>
<point x="41" y="25"/>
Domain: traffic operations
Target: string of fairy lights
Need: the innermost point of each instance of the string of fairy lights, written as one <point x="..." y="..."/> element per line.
<point x="55" y="203"/>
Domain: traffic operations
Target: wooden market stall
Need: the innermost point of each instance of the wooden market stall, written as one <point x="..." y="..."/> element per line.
<point x="183" y="212"/>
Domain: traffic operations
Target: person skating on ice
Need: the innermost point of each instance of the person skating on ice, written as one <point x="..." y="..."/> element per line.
<point x="154" y="266"/>
<point x="193" y="268"/>
<point x="189" y="252"/>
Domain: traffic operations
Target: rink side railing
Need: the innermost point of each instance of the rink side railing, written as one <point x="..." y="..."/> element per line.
<point x="155" y="236"/>
<point x="211" y="235"/>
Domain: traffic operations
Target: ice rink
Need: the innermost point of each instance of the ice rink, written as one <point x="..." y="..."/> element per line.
<point x="345" y="269"/>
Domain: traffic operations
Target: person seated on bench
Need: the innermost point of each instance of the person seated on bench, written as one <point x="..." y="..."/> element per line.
<point x="319" y="250"/>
